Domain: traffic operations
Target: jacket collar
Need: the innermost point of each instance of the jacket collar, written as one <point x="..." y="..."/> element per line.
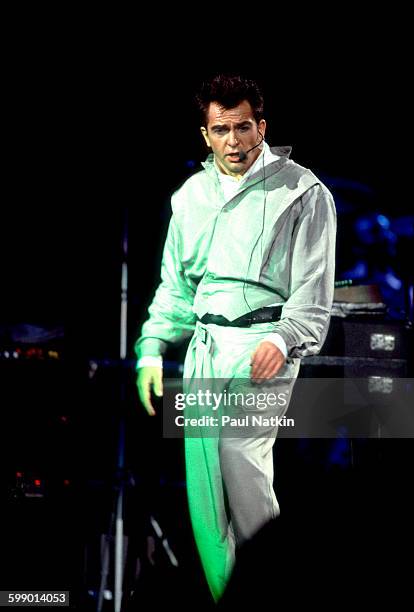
<point x="267" y="171"/>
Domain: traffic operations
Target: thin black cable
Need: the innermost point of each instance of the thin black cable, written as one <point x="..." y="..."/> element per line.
<point x="260" y="237"/>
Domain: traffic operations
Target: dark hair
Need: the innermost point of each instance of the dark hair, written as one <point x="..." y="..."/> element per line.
<point x="229" y="91"/>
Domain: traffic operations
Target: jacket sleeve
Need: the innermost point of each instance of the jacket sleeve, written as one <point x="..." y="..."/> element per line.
<point x="171" y="318"/>
<point x="305" y="316"/>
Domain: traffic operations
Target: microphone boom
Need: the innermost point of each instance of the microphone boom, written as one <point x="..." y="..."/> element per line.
<point x="243" y="154"/>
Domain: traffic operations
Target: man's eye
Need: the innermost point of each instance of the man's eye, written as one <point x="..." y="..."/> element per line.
<point x="245" y="128"/>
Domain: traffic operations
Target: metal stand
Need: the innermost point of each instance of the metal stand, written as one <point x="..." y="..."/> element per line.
<point x="117" y="520"/>
<point x="116" y="525"/>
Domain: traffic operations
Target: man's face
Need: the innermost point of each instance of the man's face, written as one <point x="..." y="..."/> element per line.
<point x="230" y="131"/>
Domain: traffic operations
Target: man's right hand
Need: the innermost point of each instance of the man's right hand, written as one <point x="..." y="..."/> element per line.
<point x="149" y="377"/>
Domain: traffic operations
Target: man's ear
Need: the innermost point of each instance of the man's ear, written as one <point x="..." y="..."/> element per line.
<point x="205" y="136"/>
<point x="262" y="127"/>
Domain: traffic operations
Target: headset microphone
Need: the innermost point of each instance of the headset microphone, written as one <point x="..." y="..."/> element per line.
<point x="243" y="154"/>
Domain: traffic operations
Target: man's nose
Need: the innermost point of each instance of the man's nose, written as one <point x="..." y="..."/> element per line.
<point x="233" y="140"/>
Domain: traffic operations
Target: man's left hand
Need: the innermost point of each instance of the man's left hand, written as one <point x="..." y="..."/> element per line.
<point x="266" y="361"/>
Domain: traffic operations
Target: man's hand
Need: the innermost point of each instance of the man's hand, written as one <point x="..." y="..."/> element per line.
<point x="266" y="361"/>
<point x="149" y="376"/>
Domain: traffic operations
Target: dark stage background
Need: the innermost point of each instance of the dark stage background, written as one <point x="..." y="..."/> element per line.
<point x="90" y="135"/>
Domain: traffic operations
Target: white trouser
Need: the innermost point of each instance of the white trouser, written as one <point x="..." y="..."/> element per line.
<point x="229" y="479"/>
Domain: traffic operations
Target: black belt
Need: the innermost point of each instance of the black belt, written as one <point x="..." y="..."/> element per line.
<point x="261" y="315"/>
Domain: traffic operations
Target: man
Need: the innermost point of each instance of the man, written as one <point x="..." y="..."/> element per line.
<point x="248" y="272"/>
